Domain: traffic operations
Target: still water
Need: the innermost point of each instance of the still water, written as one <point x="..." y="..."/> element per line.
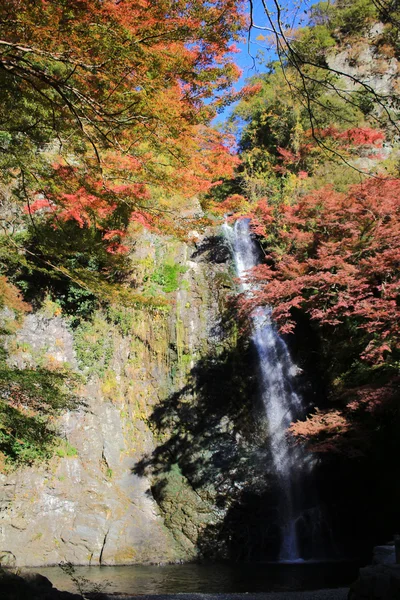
<point x="211" y="579"/>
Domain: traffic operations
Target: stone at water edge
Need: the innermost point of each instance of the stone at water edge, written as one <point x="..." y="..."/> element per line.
<point x="30" y="586"/>
<point x="377" y="582"/>
<point x="384" y="555"/>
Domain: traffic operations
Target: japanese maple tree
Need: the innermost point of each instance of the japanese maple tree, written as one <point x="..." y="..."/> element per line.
<point x="105" y="102"/>
<point x="334" y="258"/>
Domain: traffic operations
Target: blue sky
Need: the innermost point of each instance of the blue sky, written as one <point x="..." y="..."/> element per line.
<point x="292" y="14"/>
<point x="246" y="58"/>
<point x="250" y="49"/>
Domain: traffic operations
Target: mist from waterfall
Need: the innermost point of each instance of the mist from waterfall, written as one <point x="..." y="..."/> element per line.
<point x="292" y="466"/>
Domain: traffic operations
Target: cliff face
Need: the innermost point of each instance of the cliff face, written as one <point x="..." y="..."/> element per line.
<point x="369" y="66"/>
<point x="91" y="503"/>
<point x="365" y="61"/>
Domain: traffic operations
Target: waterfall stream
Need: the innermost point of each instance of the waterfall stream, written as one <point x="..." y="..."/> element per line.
<point x="291" y="465"/>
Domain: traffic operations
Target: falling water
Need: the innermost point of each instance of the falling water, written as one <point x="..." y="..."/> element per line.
<point x="282" y="404"/>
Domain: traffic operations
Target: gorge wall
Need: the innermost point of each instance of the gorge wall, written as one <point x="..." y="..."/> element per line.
<point x="103" y="498"/>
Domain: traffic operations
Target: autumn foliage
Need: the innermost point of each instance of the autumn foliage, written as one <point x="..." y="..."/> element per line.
<point x="109" y="104"/>
<point x="350" y="429"/>
<point x="346" y="143"/>
<point x="334" y="258"/>
<point x="357" y="136"/>
<point x="10" y="298"/>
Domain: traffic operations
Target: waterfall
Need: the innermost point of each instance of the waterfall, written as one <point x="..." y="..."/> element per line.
<point x="291" y="465"/>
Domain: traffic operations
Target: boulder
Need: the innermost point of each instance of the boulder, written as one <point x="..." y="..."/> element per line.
<point x="384" y="555"/>
<point x="377" y="582"/>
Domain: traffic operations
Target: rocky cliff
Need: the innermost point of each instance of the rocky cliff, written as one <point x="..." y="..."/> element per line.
<point x="91" y="503"/>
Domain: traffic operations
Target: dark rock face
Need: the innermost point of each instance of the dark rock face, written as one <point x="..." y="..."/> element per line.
<point x="377" y="582"/>
<point x="30" y="585"/>
<point x="93" y="504"/>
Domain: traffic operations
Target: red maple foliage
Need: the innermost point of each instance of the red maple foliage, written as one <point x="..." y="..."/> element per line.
<point x="335" y="256"/>
<point x="347" y="430"/>
<point x="355" y="136"/>
<point x="344" y="142"/>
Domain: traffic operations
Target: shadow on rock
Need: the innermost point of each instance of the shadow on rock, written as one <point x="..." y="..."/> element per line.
<point x="213" y="249"/>
<point x="209" y="471"/>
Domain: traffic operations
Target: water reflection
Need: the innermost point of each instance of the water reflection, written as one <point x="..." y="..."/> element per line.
<point x="211" y="579"/>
